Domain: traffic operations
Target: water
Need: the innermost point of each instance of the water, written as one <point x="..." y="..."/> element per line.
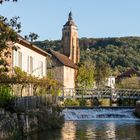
<point x="93" y="130"/>
<point x="106" y="127"/>
<point x="99" y="114"/>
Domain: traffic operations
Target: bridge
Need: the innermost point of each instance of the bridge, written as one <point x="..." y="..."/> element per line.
<point x="99" y="93"/>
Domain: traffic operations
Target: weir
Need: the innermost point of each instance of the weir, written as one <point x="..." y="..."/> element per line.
<point x="99" y="113"/>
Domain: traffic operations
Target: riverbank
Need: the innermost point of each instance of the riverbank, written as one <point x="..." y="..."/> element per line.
<point x="15" y="125"/>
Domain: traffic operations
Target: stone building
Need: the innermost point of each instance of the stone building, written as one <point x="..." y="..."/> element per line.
<point x="65" y="62"/>
<point x="70" y="42"/>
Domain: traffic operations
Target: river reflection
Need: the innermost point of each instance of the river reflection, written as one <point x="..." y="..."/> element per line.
<point x="93" y="130"/>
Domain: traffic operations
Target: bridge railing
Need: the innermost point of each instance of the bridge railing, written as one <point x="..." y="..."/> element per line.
<point x="101" y="92"/>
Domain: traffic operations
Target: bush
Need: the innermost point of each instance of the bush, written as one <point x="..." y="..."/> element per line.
<point x="5" y="95"/>
<point x="82" y="102"/>
<point x="129" y="83"/>
<point x="50" y="118"/>
<point x="71" y="102"/>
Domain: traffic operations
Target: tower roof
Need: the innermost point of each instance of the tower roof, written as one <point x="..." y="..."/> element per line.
<point x="70" y="16"/>
<point x="70" y="21"/>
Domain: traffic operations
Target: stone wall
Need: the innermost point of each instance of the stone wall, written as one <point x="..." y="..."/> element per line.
<point x="17" y="125"/>
<point x="8" y="125"/>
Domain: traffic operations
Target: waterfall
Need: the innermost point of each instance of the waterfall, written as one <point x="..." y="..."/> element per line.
<point x="100" y="114"/>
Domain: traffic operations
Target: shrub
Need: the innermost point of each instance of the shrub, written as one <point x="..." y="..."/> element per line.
<point x="50" y="118"/>
<point x="82" y="102"/>
<point x="5" y="95"/>
<point x="71" y="102"/>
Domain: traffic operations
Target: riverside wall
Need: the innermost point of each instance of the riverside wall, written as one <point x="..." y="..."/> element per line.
<point x="17" y="125"/>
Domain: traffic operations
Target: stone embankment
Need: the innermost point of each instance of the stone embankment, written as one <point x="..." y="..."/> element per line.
<point x="19" y="124"/>
<point x="8" y="125"/>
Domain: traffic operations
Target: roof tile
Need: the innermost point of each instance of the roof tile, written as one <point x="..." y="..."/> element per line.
<point x="63" y="59"/>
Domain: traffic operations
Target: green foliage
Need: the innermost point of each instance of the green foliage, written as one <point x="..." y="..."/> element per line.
<point x="31" y="37"/>
<point x="102" y="72"/>
<point x="46" y="44"/>
<point x="50" y="74"/>
<point x="118" y="53"/>
<point x="77" y="102"/>
<point x="5" y="95"/>
<point x="129" y="83"/>
<point x="8" y="35"/>
<point x="71" y="102"/>
<point x="21" y="80"/>
<point x="82" y="102"/>
<point x="50" y="118"/>
<point x="85" y="77"/>
<point x="2" y="1"/>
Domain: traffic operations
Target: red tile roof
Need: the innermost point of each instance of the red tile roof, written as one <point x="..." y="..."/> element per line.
<point x="63" y="59"/>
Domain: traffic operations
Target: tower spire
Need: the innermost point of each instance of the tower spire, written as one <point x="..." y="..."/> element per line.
<point x="70" y="16"/>
<point x="70" y="43"/>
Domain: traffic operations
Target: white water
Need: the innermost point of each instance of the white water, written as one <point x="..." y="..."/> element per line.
<point x="99" y="114"/>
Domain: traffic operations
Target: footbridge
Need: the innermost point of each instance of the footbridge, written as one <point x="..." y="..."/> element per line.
<point x="101" y="93"/>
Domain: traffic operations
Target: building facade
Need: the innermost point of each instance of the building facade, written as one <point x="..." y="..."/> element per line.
<point x="30" y="58"/>
<point x="65" y="62"/>
<point x="63" y="69"/>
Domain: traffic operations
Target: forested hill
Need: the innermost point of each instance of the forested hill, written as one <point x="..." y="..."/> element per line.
<point x="119" y="53"/>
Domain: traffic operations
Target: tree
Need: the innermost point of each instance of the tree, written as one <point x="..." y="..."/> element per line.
<point x="2" y="1"/>
<point x="132" y="82"/>
<point x="31" y="37"/>
<point x="102" y="71"/>
<point x="9" y="30"/>
<point x="85" y="77"/>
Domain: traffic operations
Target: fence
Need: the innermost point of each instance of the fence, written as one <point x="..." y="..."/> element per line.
<point x="32" y="102"/>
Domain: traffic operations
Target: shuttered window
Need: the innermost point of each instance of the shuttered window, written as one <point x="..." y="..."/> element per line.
<point x="40" y="68"/>
<point x="31" y="64"/>
<point x="20" y="59"/>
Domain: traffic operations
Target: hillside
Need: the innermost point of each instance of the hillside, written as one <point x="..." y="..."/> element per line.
<point x="119" y="53"/>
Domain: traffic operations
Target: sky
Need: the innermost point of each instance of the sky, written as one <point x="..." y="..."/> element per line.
<point x="94" y="18"/>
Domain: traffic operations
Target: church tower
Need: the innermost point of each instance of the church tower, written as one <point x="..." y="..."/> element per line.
<point x="70" y="42"/>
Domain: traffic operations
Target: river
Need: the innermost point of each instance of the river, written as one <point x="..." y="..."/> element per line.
<point x="111" y="128"/>
<point x="92" y="130"/>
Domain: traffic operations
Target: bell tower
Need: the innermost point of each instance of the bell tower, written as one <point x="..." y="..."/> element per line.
<point x="70" y="42"/>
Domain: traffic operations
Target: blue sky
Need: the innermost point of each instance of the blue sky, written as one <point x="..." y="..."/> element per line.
<point x="94" y="18"/>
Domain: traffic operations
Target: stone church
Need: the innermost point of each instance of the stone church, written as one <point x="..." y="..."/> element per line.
<point x="65" y="62"/>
